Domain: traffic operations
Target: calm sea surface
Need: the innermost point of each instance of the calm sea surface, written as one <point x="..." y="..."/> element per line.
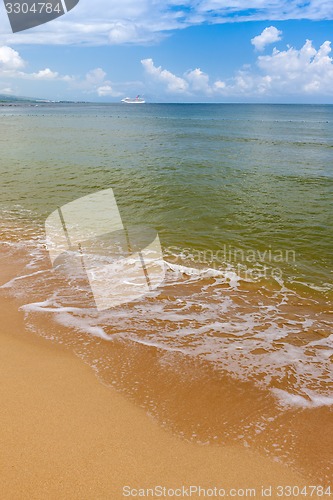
<point x="241" y="196"/>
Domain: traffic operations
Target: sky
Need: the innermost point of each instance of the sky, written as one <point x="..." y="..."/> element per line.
<point x="175" y="51"/>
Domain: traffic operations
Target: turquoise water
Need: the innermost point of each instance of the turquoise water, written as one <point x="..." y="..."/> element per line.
<point x="241" y="197"/>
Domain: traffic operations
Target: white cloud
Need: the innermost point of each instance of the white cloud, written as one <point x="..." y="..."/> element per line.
<point x="173" y="83"/>
<point x="107" y="90"/>
<point x="198" y="81"/>
<point x="45" y="74"/>
<point x="95" y="77"/>
<point x="10" y="59"/>
<point x="126" y="32"/>
<point x="306" y="70"/>
<point x="6" y="90"/>
<point x="122" y="32"/>
<point x="268" y="36"/>
<point x="146" y="21"/>
<point x="193" y="82"/>
<point x="219" y="85"/>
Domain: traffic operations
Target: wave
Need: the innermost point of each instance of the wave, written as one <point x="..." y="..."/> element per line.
<point x="264" y="331"/>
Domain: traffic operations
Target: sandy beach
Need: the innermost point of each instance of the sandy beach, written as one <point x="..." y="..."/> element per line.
<point x="66" y="436"/>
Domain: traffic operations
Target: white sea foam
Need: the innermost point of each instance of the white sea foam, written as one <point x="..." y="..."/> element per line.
<point x="11" y="282"/>
<point x="48" y="306"/>
<point x="311" y="400"/>
<point x="192" y="271"/>
<point x="206" y="313"/>
<point x="62" y="317"/>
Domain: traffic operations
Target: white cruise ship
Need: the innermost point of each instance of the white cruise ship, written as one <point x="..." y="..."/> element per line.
<point x="135" y="100"/>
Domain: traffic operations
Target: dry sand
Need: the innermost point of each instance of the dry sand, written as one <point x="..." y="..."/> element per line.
<point x="66" y="436"/>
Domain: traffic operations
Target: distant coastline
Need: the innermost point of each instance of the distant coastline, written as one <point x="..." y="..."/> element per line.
<point x="6" y="99"/>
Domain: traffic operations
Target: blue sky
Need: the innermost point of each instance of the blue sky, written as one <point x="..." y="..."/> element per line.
<point x="173" y="51"/>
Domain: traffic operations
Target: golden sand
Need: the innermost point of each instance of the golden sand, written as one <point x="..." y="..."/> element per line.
<point x="64" y="435"/>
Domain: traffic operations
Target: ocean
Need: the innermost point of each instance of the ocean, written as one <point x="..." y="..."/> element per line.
<point x="236" y="344"/>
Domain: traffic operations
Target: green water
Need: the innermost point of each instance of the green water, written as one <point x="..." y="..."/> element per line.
<point x="207" y="177"/>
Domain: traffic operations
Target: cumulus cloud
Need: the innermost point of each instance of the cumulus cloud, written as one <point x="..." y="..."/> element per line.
<point x="107" y="90"/>
<point x="268" y="36"/>
<point x="172" y="82"/>
<point x="198" y="81"/>
<point x="45" y="74"/>
<point x="113" y="22"/>
<point x="191" y="83"/>
<point x="305" y="70"/>
<point x="10" y="59"/>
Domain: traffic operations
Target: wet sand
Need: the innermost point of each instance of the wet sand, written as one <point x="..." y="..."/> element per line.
<point x="66" y="435"/>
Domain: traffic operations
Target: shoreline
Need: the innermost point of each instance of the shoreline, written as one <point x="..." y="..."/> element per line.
<point x="66" y="435"/>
